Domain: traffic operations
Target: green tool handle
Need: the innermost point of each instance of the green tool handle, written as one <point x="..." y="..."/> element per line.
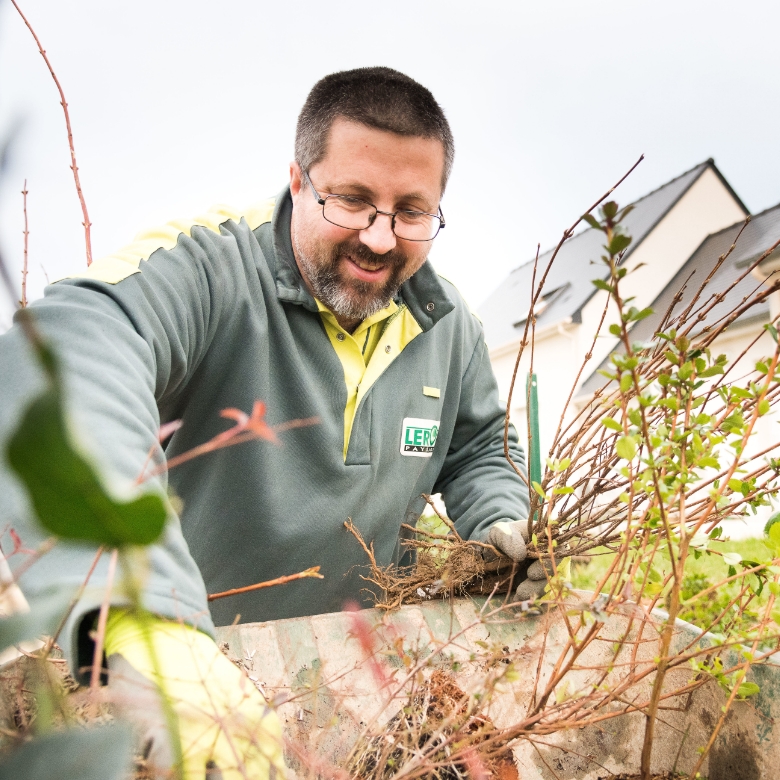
<point x="534" y="448"/>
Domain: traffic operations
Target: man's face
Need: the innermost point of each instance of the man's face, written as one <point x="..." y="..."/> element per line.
<point x="356" y="273"/>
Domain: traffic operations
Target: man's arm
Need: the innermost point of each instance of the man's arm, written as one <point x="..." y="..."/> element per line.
<point x="479" y="486"/>
<point x="124" y="348"/>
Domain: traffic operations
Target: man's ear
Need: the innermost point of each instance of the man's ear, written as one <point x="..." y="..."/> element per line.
<point x="296" y="178"/>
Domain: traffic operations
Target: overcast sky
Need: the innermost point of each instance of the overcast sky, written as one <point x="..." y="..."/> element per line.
<point x="180" y="104"/>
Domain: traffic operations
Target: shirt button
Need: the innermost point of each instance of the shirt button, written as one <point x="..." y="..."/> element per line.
<point x="431" y="306"/>
<point x="340" y="336"/>
<point x="387" y="349"/>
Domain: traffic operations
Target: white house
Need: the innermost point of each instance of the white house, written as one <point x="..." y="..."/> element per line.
<point x="678" y="230"/>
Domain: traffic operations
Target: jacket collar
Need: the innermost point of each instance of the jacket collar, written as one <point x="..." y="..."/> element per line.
<point x="424" y="293"/>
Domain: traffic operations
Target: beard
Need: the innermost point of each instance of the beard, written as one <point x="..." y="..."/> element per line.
<point x="349" y="297"/>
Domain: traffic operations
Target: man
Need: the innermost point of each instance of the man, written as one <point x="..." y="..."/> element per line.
<point x="323" y="304"/>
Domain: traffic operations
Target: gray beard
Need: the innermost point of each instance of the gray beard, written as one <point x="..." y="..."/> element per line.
<point x="356" y="300"/>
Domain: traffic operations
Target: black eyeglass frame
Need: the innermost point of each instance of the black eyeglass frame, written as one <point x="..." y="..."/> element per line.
<point x="392" y="215"/>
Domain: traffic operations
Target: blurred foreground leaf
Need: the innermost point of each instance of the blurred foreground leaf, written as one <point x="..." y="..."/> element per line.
<point x="65" y="490"/>
<point x="96" y="754"/>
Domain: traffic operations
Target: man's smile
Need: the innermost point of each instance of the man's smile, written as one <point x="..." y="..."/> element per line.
<point x="366" y="270"/>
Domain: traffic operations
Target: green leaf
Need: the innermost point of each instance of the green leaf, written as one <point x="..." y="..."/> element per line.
<point x="609" y="209"/>
<point x="618" y="244"/>
<point x="709" y="462"/>
<point x="539" y="489"/>
<point x="625" y="447"/>
<point x="46" y="612"/>
<point x="626" y="381"/>
<point x="735" y="485"/>
<point x="592" y="221"/>
<point x="602" y="285"/>
<point x="774" y="536"/>
<point x="64" y="489"/>
<point x="732" y="558"/>
<point x="563" y="491"/>
<point x="612" y="424"/>
<point x="686" y="369"/>
<point x="615" y="330"/>
<point x="773" y="520"/>
<point x="747" y="689"/>
<point x="642" y="314"/>
<point x="772" y="330"/>
<point x="103" y="753"/>
<point x="763" y="406"/>
<point x="711" y="371"/>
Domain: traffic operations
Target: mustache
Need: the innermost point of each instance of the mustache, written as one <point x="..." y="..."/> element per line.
<point x="360" y="251"/>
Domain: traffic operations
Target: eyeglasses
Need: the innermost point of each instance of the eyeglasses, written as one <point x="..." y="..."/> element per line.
<point x="352" y="213"/>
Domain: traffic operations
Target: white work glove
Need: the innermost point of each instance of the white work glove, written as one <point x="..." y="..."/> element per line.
<point x="227" y="730"/>
<point x="536" y="581"/>
<point x="510" y="536"/>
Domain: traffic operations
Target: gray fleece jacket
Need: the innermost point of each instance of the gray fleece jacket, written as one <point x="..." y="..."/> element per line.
<point x="222" y="319"/>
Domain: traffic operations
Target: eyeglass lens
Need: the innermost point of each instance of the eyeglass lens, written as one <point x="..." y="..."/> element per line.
<point x="356" y="214"/>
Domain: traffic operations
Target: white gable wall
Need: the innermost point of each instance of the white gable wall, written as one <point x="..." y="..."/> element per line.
<point x="706" y="207"/>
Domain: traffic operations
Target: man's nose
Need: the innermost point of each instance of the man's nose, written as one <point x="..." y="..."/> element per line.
<point x="379" y="238"/>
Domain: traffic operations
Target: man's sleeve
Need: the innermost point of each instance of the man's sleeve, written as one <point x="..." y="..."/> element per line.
<point x="478" y="484"/>
<point x="124" y="348"/>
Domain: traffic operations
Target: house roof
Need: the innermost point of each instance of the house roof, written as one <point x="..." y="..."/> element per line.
<point x="568" y="287"/>
<point x="762" y="232"/>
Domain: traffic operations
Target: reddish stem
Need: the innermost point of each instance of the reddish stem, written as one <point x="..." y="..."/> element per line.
<point x="73" y="166"/>
<point x="23" y="301"/>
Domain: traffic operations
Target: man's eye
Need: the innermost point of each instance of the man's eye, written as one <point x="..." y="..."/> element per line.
<point x="352" y="204"/>
<point x="412" y="217"/>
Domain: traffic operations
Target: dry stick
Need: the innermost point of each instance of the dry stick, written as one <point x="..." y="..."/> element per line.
<point x="735" y="691"/>
<point x="722" y="259"/>
<point x="97" y="657"/>
<point x="73" y="166"/>
<point x="23" y="301"/>
<point x="312" y="572"/>
<point x="446" y="520"/>
<point x="212" y="445"/>
<point x="568" y="750"/>
<point x="706" y="307"/>
<point x="566" y="235"/>
<point x="588" y="356"/>
<point x="40" y="551"/>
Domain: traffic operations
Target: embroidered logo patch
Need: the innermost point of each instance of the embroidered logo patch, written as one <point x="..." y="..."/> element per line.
<point x="418" y="437"/>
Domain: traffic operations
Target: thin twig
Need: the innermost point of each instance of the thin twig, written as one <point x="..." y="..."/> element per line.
<point x="73" y="166"/>
<point x="23" y="301"/>
<point x="97" y="656"/>
<point x="314" y="571"/>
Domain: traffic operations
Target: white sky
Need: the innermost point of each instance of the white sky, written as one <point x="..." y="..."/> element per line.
<point x="180" y="104"/>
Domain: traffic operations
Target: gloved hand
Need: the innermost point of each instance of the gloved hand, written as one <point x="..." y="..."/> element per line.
<point x="537" y="576"/>
<point x="227" y="730"/>
<point x="510" y="536"/>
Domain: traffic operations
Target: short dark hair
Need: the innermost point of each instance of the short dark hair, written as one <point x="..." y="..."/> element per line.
<point x="376" y="97"/>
